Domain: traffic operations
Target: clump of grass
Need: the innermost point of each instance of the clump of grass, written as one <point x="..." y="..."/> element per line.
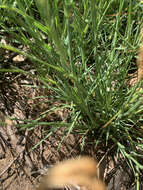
<point x="83" y="52"/>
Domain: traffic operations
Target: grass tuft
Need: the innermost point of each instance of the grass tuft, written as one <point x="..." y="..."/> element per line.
<point x="84" y="52"/>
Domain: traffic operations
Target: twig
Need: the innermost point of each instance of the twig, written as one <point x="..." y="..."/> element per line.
<point x="105" y="155"/>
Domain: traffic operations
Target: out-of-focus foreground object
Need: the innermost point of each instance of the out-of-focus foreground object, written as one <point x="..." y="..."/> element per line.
<point x="78" y="173"/>
<point x="140" y="59"/>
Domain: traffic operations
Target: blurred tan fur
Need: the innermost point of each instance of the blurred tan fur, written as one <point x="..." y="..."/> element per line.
<point x="81" y="171"/>
<point x="140" y="59"/>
